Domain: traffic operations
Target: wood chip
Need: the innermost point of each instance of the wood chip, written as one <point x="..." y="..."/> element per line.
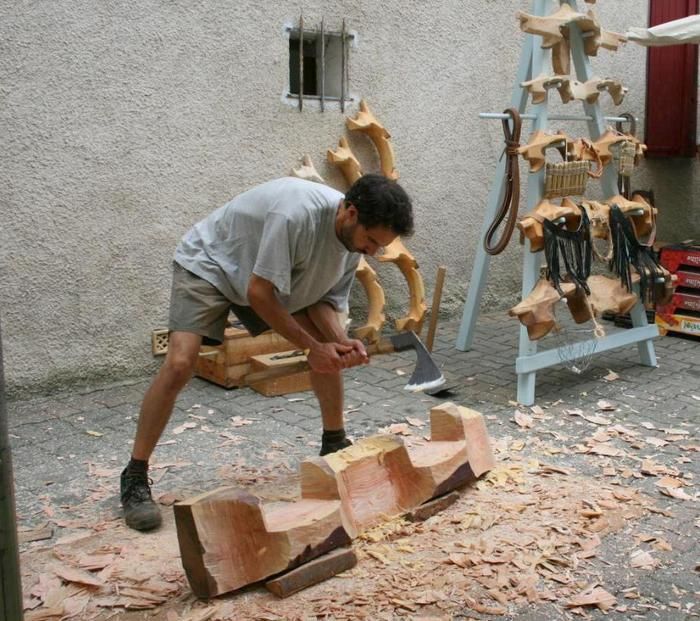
<point x="523" y="420"/>
<point x="598" y="597"/>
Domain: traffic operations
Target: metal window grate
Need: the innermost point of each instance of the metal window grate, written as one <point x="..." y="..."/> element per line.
<point x="318" y="64"/>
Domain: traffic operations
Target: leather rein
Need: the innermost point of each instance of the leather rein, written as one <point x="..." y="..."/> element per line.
<point x="511" y="196"/>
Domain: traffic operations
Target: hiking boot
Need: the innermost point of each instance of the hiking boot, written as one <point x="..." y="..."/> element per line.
<point x="140" y="512"/>
<point x="332" y="447"/>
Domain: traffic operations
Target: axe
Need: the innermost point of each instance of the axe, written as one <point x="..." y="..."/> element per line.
<point x="426" y="377"/>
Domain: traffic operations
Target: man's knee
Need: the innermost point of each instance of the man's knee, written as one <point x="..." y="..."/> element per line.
<point x="179" y="368"/>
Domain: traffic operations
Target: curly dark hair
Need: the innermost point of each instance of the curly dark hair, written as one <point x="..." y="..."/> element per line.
<point x="381" y="202"/>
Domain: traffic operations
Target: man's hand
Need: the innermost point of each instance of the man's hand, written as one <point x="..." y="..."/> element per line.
<point x="358" y="354"/>
<point x="333" y="357"/>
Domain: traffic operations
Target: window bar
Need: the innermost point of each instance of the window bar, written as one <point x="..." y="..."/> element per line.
<point x="301" y="61"/>
<point x="343" y="42"/>
<point x="323" y="62"/>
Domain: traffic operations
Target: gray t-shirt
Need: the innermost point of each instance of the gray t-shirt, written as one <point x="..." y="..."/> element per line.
<point x="283" y="231"/>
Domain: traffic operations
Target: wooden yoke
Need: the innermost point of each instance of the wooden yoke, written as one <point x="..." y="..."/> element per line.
<point x="372" y="330"/>
<point x="639" y="211"/>
<point x="608" y="294"/>
<point x="605" y="39"/>
<point x="307" y="170"/>
<point x="551" y="27"/>
<point x="590" y="91"/>
<point x="531" y="224"/>
<point x="344" y="159"/>
<point x="539" y="86"/>
<point x="536" y="311"/>
<point x="539" y="142"/>
<point x="398" y="254"/>
<point x="612" y="137"/>
<point x="366" y="123"/>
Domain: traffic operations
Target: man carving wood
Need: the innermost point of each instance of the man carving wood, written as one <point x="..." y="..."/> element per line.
<point x="281" y="256"/>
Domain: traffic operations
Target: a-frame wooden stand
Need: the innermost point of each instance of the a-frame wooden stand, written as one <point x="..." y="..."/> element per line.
<point x="529" y="360"/>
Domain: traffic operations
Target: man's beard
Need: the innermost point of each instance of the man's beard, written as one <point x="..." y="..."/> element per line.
<point x="347" y="232"/>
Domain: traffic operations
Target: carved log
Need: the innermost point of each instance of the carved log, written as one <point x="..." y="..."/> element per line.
<point x="366" y="123"/>
<point x="536" y="311"/>
<point x="398" y="254"/>
<point x="230" y="538"/>
<point x="344" y="159"/>
<point x="534" y="150"/>
<point x="373" y="479"/>
<point x="378" y="477"/>
<point x="531" y="224"/>
<point x="372" y="329"/>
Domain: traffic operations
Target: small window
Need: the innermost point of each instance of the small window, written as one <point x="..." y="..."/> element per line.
<point x="318" y="64"/>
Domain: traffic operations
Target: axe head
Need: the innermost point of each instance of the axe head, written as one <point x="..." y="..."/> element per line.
<point x="426" y="377"/>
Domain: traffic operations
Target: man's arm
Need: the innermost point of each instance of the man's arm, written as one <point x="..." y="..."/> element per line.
<point x="322" y="357"/>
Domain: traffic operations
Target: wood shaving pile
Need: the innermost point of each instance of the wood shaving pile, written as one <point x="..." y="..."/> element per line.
<point x="525" y="533"/>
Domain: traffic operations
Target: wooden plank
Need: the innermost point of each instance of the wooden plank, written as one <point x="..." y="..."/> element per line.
<point x="313" y="572"/>
<point x="279" y="384"/>
<point x="432" y="507"/>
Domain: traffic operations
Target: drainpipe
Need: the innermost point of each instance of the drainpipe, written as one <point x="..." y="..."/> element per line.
<point x="10" y="580"/>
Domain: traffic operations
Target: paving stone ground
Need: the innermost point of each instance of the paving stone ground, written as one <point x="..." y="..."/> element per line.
<point x="58" y="441"/>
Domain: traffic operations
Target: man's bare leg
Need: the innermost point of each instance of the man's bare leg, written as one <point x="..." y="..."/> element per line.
<point x="158" y="403"/>
<point x="140" y="512"/>
<point x="328" y="388"/>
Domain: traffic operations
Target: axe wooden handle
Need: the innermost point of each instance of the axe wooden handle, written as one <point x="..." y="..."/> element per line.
<point x="383" y="346"/>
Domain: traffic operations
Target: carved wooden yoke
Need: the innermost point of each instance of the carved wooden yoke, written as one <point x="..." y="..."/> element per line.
<point x="366" y="123"/>
<point x="397" y="253"/>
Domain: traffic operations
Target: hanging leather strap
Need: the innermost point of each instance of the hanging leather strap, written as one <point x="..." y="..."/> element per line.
<point x="623" y="183"/>
<point x="511" y="194"/>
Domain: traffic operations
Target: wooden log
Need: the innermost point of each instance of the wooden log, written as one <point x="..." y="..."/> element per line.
<point x="230" y="538"/>
<point x="313" y="572"/>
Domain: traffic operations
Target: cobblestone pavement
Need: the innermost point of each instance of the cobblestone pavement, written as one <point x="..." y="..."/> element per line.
<point x="58" y="442"/>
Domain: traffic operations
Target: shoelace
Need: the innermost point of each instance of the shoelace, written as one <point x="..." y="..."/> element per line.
<point x="137" y="486"/>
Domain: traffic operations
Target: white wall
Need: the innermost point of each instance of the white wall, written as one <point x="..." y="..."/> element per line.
<point x="123" y="123"/>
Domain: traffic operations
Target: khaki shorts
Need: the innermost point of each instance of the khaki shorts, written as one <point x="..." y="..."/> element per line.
<point x="198" y="307"/>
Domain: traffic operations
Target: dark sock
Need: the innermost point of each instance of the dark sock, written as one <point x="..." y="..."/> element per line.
<point x="331" y="437"/>
<point x="138" y="465"/>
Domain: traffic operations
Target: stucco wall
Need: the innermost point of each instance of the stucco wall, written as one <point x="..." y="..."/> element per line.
<point x="123" y="123"/>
